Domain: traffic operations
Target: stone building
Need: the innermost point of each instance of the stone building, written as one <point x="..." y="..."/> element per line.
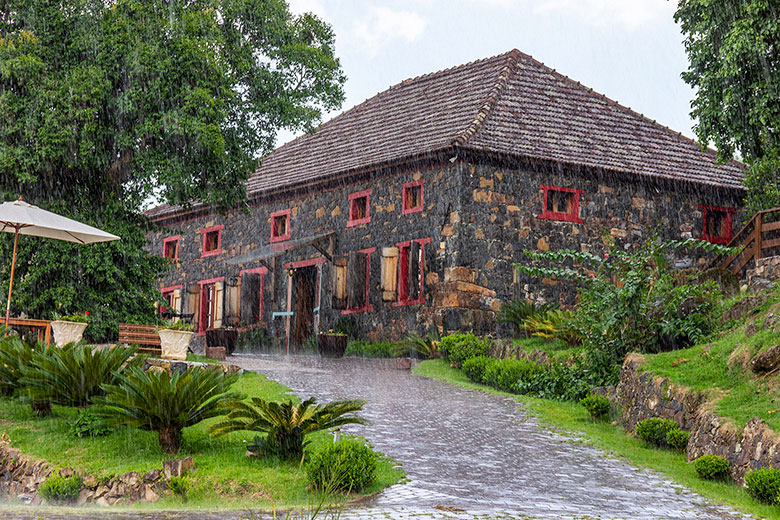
<point x="412" y="207"/>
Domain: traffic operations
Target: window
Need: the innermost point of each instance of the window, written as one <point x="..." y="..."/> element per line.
<point x="212" y="240"/>
<point x="717" y="224"/>
<point x="412" y="197"/>
<point x="280" y="225"/>
<point x="359" y="208"/>
<point x="171" y="248"/>
<point x="172" y="295"/>
<point x="561" y="204"/>
<point x="411" y="271"/>
<point x="210" y="310"/>
<point x="252" y="287"/>
<point x="358" y="274"/>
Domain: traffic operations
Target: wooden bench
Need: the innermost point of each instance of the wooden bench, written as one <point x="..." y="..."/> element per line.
<point x="133" y="333"/>
<point x="43" y="326"/>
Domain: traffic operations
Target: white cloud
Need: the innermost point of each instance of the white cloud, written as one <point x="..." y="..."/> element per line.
<point x="381" y="26"/>
<point x="630" y="14"/>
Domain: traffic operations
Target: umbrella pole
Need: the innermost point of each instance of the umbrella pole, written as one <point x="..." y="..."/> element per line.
<point x="11" y="285"/>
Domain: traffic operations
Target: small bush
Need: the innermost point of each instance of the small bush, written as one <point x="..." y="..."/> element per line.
<point x="505" y="374"/>
<point x="557" y="381"/>
<point x="677" y="439"/>
<point x="653" y="431"/>
<point x="475" y="367"/>
<point x="764" y="485"/>
<point x="88" y="425"/>
<point x="711" y="467"/>
<point x="59" y="489"/>
<point x="596" y="405"/>
<point x="348" y="465"/>
<point x="458" y="348"/>
<point x="367" y="349"/>
<point x="179" y="486"/>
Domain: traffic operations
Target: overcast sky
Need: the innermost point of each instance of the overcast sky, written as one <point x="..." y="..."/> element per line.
<point x="629" y="50"/>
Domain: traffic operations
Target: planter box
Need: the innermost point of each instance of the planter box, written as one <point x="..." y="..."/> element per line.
<point x="175" y="343"/>
<point x="332" y="345"/>
<point x="67" y="331"/>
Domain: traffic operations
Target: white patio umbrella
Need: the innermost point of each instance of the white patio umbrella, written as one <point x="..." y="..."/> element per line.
<point x="20" y="218"/>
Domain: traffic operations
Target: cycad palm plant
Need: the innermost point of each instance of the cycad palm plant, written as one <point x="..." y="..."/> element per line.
<point x="157" y="401"/>
<point x="71" y="375"/>
<point x="14" y="356"/>
<point x="286" y="424"/>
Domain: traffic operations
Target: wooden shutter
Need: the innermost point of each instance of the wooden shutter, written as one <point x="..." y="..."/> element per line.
<point x="219" y="303"/>
<point x="250" y="297"/>
<point x="389" y="272"/>
<point x="356" y="280"/>
<point x="193" y="304"/>
<point x="339" y="279"/>
<point x="414" y="270"/>
<point x="176" y="301"/>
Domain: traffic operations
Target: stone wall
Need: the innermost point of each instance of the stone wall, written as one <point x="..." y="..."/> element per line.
<point x="643" y="396"/>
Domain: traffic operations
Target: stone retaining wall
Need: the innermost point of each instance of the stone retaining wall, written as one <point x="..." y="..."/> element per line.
<point x="643" y="396"/>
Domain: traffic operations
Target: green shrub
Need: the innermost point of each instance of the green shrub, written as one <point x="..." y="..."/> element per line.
<point x="596" y="405"/>
<point x="505" y="374"/>
<point x="59" y="489"/>
<point x="475" y="367"/>
<point x="711" y="467"/>
<point x="458" y="348"/>
<point x="179" y="486"/>
<point x="88" y="425"/>
<point x="677" y="439"/>
<point x="377" y="349"/>
<point x="558" y="381"/>
<point x="764" y="485"/>
<point x="655" y="431"/>
<point x="348" y="465"/>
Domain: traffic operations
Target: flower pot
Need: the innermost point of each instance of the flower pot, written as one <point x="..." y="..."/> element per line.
<point x="174" y="343"/>
<point x="332" y="345"/>
<point x="67" y="331"/>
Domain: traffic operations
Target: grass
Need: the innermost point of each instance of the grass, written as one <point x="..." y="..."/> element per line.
<point x="612" y="439"/>
<point x="556" y="348"/>
<point x="225" y="477"/>
<point x="368" y="349"/>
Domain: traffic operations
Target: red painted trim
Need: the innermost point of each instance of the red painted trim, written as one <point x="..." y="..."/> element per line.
<point x="206" y="231"/>
<point x="254" y="270"/>
<point x="728" y="224"/>
<point x="280" y="213"/>
<point x="405" y="210"/>
<point x="573" y="215"/>
<point x="305" y="263"/>
<point x="421" y="299"/>
<point x="262" y="271"/>
<point x="211" y="280"/>
<point x="167" y="241"/>
<point x="351" y="198"/>
<point x="171" y="288"/>
<point x="368" y="306"/>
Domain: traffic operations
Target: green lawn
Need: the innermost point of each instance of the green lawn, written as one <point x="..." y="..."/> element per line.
<point x="225" y="477"/>
<point x="612" y="439"/>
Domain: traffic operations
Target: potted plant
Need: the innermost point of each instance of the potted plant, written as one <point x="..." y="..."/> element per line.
<point x="332" y="344"/>
<point x="69" y="329"/>
<point x="175" y="339"/>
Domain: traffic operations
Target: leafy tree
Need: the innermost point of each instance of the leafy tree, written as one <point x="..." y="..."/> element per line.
<point x="104" y="104"/>
<point x="735" y="68"/>
<point x="157" y="401"/>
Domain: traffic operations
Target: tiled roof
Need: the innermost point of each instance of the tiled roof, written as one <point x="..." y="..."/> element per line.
<point x="509" y="104"/>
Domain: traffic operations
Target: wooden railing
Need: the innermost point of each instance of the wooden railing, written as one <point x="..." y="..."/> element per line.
<point x="757" y="239"/>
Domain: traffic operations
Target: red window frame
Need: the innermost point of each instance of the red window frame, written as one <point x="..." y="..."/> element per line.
<point x="204" y="233"/>
<point x="728" y="224"/>
<point x="572" y="216"/>
<point x="281" y="213"/>
<point x="262" y="271"/>
<point x="405" y="209"/>
<point x="403" y="272"/>
<point x="368" y="306"/>
<point x="202" y="312"/>
<point x="353" y="198"/>
<point x="166" y="293"/>
<point x="166" y="242"/>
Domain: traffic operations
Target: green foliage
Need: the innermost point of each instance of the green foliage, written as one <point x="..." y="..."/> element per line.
<point x="372" y="349"/>
<point x="166" y="404"/>
<point x="180" y="486"/>
<point x="76" y="318"/>
<point x="515" y="312"/>
<point x="476" y="367"/>
<point x="348" y="465"/>
<point x="176" y="325"/>
<point x="506" y="374"/>
<point x="733" y="67"/>
<point x="655" y="431"/>
<point x="59" y="489"/>
<point x="596" y="405"/>
<point x="554" y="324"/>
<point x="677" y="439"/>
<point x="285" y="424"/>
<point x="424" y="347"/>
<point x="711" y="467"/>
<point x="764" y="485"/>
<point x="458" y="348"/>
<point x="73" y="374"/>
<point x="346" y="325"/>
<point x="14" y="356"/>
<point x="560" y="381"/>
<point x="87" y="424"/>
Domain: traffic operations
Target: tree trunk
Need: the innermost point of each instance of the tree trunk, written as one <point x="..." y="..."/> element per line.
<point x="170" y="439"/>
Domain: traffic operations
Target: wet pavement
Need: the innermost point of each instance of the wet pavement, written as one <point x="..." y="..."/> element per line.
<point x="467" y="455"/>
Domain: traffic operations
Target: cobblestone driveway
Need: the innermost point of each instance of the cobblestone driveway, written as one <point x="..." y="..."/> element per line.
<point x="476" y="452"/>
